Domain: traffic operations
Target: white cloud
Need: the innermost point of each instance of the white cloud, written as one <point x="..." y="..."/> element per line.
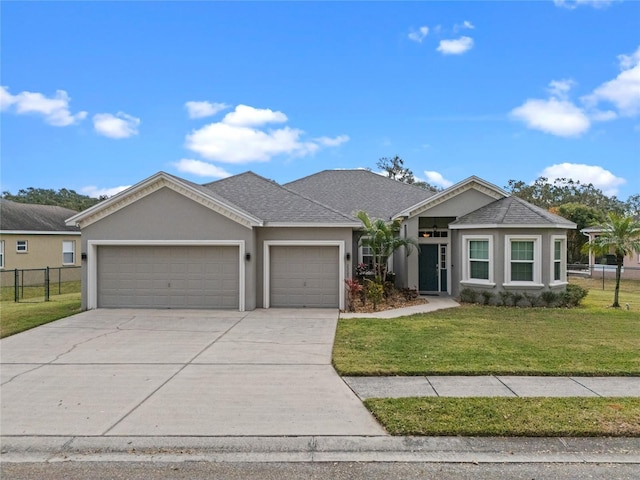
<point x="200" y="168"/>
<point x="571" y="4"/>
<point x="120" y="125"/>
<point x="466" y="25"/>
<point x="237" y="138"/>
<point x="332" y="142"/>
<point x="455" y="47"/>
<point x="560" y="88"/>
<point x="204" y="109"/>
<point x="558" y="117"/>
<point x="437" y="179"/>
<point x="246" y="116"/>
<point x="624" y="90"/>
<point x="598" y="176"/>
<point x="419" y="35"/>
<point x="96" y="192"/>
<point x="55" y="110"/>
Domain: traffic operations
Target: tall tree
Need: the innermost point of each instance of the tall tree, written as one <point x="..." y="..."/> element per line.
<point x="61" y="198"/>
<point x="546" y="194"/>
<point x="583" y="216"/>
<point x="382" y="238"/>
<point x="619" y="235"/>
<point x="397" y="171"/>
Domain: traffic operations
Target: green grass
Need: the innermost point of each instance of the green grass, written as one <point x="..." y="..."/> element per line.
<point x="480" y="340"/>
<point x="17" y="317"/>
<point x="36" y="293"/>
<point x="531" y="417"/>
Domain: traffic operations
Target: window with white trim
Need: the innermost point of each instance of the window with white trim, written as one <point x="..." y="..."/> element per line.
<point x="21" y="246"/>
<point x="478" y="263"/>
<point x="1" y="253"/>
<point x="68" y="252"/>
<point x="558" y="259"/>
<point x="523" y="259"/>
<point x="366" y="256"/>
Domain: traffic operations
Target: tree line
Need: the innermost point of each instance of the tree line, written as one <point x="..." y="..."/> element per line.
<point x="46" y="196"/>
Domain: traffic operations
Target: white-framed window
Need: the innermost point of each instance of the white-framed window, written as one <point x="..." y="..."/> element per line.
<point x="1" y="253"/>
<point x="21" y="246"/>
<point x="366" y="256"/>
<point x="522" y="259"/>
<point x="478" y="259"/>
<point x="68" y="252"/>
<point x="558" y="259"/>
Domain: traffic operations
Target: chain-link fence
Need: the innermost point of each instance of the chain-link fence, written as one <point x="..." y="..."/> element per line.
<point x="38" y="284"/>
<point x="605" y="274"/>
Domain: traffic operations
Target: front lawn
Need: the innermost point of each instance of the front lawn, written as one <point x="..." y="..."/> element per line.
<point x="481" y="340"/>
<point x="532" y="417"/>
<point x="17" y="317"/>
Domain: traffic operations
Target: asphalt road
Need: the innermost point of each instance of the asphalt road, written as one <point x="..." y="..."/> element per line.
<point x="336" y="471"/>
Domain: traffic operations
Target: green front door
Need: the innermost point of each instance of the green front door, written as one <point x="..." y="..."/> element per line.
<point x="428" y="268"/>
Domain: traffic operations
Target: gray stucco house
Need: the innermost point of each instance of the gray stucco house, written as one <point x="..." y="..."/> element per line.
<point x="246" y="242"/>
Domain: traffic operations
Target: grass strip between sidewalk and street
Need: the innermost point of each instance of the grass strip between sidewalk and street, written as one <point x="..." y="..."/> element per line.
<point x="530" y="417"/>
<point x="18" y="317"/>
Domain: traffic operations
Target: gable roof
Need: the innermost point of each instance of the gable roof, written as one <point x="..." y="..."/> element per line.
<point x="350" y="191"/>
<point x="470" y="183"/>
<point x="27" y="217"/>
<point x="191" y="190"/>
<point x="511" y="212"/>
<point x="276" y="205"/>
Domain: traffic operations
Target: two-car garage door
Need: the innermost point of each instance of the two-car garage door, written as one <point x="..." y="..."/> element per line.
<point x="168" y="276"/>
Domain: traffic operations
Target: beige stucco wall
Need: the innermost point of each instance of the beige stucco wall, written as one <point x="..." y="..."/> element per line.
<point x="43" y="250"/>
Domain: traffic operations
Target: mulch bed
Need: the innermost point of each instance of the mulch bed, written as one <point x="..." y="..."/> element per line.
<point x="396" y="300"/>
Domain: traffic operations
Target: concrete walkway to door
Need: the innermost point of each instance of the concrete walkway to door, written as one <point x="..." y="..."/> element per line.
<point x="179" y="373"/>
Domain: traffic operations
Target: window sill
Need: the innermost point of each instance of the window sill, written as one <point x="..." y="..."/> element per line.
<point x="477" y="283"/>
<point x="521" y="285"/>
<point x="558" y="284"/>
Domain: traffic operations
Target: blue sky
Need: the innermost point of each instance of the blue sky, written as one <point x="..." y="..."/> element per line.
<point x="97" y="96"/>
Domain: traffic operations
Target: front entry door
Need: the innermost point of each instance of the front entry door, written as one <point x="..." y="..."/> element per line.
<point x="428" y="268"/>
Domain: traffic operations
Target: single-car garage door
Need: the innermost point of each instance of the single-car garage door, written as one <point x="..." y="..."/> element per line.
<point x="304" y="276"/>
<point x="168" y="276"/>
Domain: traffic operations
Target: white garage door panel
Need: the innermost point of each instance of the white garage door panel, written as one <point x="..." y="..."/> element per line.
<point x="304" y="276"/>
<point x="168" y="277"/>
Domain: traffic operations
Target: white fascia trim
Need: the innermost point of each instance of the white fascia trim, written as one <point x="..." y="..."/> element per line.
<point x="151" y="185"/>
<point x="312" y="225"/>
<point x="460" y="187"/>
<point x="35" y="232"/>
<point x="266" y="293"/>
<point x="92" y="261"/>
<point x="506" y="225"/>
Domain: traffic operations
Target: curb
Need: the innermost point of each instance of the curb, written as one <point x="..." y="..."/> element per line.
<point x="476" y="450"/>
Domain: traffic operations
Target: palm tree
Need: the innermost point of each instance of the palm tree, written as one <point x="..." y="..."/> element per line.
<point x="382" y="238"/>
<point x="619" y="235"/>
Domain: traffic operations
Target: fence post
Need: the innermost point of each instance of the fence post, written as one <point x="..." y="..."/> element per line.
<point x="46" y="284"/>
<point x="16" y="286"/>
<point x="59" y="281"/>
<point x="603" y="277"/>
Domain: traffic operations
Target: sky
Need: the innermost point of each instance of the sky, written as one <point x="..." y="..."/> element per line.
<point x="97" y="96"/>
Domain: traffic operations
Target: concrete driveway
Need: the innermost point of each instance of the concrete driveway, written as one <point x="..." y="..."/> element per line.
<point x="179" y="372"/>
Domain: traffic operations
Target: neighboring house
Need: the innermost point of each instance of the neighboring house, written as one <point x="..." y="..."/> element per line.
<point x="37" y="236"/>
<point x="246" y="242"/>
<point x="599" y="265"/>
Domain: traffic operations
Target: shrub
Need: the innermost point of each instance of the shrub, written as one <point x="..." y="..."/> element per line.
<point x="389" y="289"/>
<point x="409" y="293"/>
<point x="516" y="298"/>
<point x="573" y="295"/>
<point x="531" y="298"/>
<point x="354" y="288"/>
<point x="505" y="298"/>
<point x="374" y="292"/>
<point x="549" y="298"/>
<point x="487" y="296"/>
<point x="468" y="295"/>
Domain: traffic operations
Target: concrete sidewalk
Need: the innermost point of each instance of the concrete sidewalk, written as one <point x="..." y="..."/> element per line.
<point x="493" y="386"/>
<point x="433" y="303"/>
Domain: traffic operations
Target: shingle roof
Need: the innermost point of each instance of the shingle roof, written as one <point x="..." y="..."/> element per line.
<point x="350" y="191"/>
<point x="34" y="218"/>
<point x="512" y="211"/>
<point x="274" y="203"/>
